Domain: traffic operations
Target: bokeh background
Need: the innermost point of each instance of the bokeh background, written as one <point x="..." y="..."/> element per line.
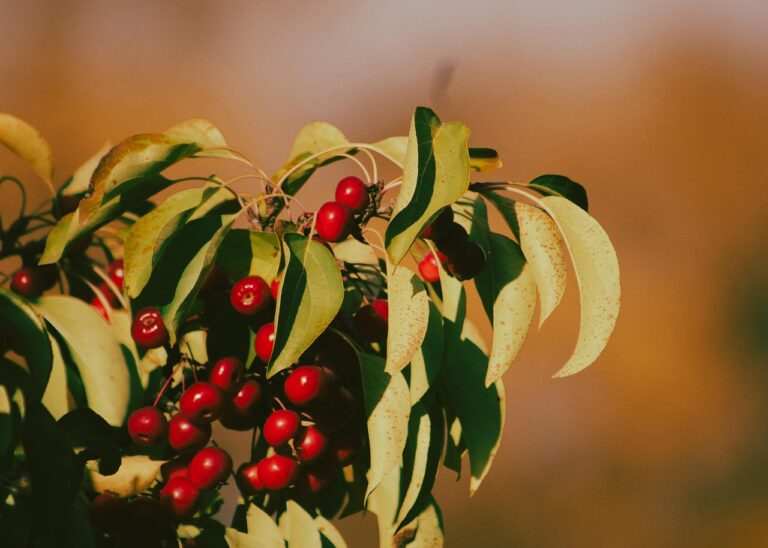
<point x="660" y="108"/>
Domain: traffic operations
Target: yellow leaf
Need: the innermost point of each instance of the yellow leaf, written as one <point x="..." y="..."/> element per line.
<point x="408" y="317"/>
<point x="136" y="474"/>
<point x="27" y="143"/>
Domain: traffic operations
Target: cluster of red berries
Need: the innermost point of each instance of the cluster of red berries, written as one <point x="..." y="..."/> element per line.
<point x="459" y="256"/>
<point x="335" y="220"/>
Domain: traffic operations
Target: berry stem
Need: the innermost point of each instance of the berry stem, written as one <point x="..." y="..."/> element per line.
<point x="168" y="380"/>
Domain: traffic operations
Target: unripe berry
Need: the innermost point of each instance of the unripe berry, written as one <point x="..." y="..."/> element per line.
<point x="179" y="498"/>
<point x="264" y="342"/>
<point x="307" y="384"/>
<point x="28" y="282"/>
<point x="147" y="425"/>
<point x="250" y="295"/>
<point x="209" y="467"/>
<point x="247" y="479"/>
<point x="201" y="402"/>
<point x="148" y="329"/>
<point x="333" y="221"/>
<point x="429" y="269"/>
<point x="371" y="321"/>
<point x="280" y="427"/>
<point x="226" y="373"/>
<point x="277" y="472"/>
<point x="353" y="193"/>
<point x="311" y="444"/>
<point x="186" y="436"/>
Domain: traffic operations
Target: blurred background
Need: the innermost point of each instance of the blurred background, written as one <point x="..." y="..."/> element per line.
<point x="659" y="108"/>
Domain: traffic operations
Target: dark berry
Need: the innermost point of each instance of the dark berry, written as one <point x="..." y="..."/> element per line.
<point x="107" y="511"/>
<point x="468" y="263"/>
<point x="28" y="282"/>
<point x="438" y="226"/>
<point x="452" y="240"/>
<point x="371" y="320"/>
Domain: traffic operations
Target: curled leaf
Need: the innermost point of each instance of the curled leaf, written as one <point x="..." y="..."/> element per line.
<point x="27" y="143"/>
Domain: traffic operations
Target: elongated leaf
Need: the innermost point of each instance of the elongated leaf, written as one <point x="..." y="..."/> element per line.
<point x="199" y="131"/>
<point x="330" y="534"/>
<point x="263" y="532"/>
<point x="597" y="273"/>
<point x="383" y="502"/>
<point x="393" y="148"/>
<point x="429" y="528"/>
<point x="81" y="178"/>
<point x="246" y="252"/>
<point x="558" y="185"/>
<point x="388" y="408"/>
<point x="299" y="528"/>
<point x="364" y="271"/>
<point x="506" y="207"/>
<point x="23" y="325"/>
<point x="27" y="143"/>
<point x="435" y="174"/>
<point x="56" y="396"/>
<point x="426" y="362"/>
<point x="96" y="351"/>
<point x="543" y="248"/>
<point x="310" y="296"/>
<point x="480" y="159"/>
<point x="408" y="317"/>
<point x="484" y="159"/>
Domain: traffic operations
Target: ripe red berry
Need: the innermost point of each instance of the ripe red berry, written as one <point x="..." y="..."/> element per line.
<point x="345" y="446"/>
<point x="240" y="412"/>
<point x="148" y="329"/>
<point x="311" y="444"/>
<point x="333" y="221"/>
<point x="315" y="479"/>
<point x="265" y="341"/>
<point x="277" y="472"/>
<point x="107" y="511"/>
<point x="175" y="468"/>
<point x="179" y="498"/>
<point x="371" y="320"/>
<point x="147" y="425"/>
<point x="28" y="282"/>
<point x="250" y="295"/>
<point x="307" y="384"/>
<point x="226" y="373"/>
<point x="468" y="263"/>
<point x="429" y="269"/>
<point x="201" y="402"/>
<point x="117" y="273"/>
<point x="247" y="479"/>
<point x="274" y="288"/>
<point x="209" y="467"/>
<point x="99" y="306"/>
<point x="353" y="193"/>
<point x="280" y="426"/>
<point x="439" y="225"/>
<point x="186" y="436"/>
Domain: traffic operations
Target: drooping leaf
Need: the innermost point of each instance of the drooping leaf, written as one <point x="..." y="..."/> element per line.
<point x="506" y="207"/>
<point x="483" y="159"/>
<point x="330" y="535"/>
<point x="81" y="178"/>
<point x="387" y="404"/>
<point x="27" y="143"/>
<point x="384" y="501"/>
<point x="311" y="293"/>
<point x="56" y="396"/>
<point x="298" y="527"/>
<point x="426" y="362"/>
<point x="435" y="174"/>
<point x="202" y="133"/>
<point x="543" y="248"/>
<point x="559" y="185"/>
<point x="86" y="430"/>
<point x="408" y="317"/>
<point x="597" y="273"/>
<point x="23" y="325"/>
<point x="96" y="351"/>
<point x="393" y="148"/>
<point x="247" y="252"/>
<point x="263" y="532"/>
<point x="429" y="528"/>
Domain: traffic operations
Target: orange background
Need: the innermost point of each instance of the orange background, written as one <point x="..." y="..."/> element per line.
<point x="659" y="108"/>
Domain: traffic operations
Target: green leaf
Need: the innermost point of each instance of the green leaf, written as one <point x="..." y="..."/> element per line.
<point x="435" y="174"/>
<point x="506" y="208"/>
<point x="559" y="185"/>
<point x="81" y="178"/>
<point x="388" y="407"/>
<point x="247" y="252"/>
<point x="426" y="362"/>
<point x="597" y="273"/>
<point x="56" y="396"/>
<point x="299" y="528"/>
<point x="383" y="502"/>
<point x="27" y="143"/>
<point x="429" y="528"/>
<point x="263" y="532"/>
<point x="310" y="296"/>
<point x="26" y="329"/>
<point x="365" y="266"/>
<point x="484" y="159"/>
<point x="543" y="248"/>
<point x="96" y="351"/>
<point x="408" y="317"/>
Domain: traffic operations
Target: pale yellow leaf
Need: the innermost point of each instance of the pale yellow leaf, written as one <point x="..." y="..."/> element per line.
<point x="27" y="143"/>
<point x="408" y="317"/>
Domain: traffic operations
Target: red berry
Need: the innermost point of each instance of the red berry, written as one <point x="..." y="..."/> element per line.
<point x="311" y="444"/>
<point x="209" y="467"/>
<point x="353" y="193"/>
<point x="316" y="479"/>
<point x="117" y="273"/>
<point x="371" y="320"/>
<point x="28" y="282"/>
<point x="179" y="498"/>
<point x="247" y="479"/>
<point x="333" y="221"/>
<point x="274" y="288"/>
<point x="345" y="446"/>
<point x="201" y="402"/>
<point x="99" y="306"/>
<point x="147" y="425"/>
<point x="306" y="384"/>
<point x="429" y="269"/>
<point x="148" y="329"/>
<point x="468" y="263"/>
<point x="239" y="413"/>
<point x="265" y="341"/>
<point x="277" y="472"/>
<point x="107" y="511"/>
<point x="250" y="295"/>
<point x="175" y="468"/>
<point x="185" y="435"/>
<point x="226" y="373"/>
<point x="280" y="426"/>
<point x="439" y="225"/>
